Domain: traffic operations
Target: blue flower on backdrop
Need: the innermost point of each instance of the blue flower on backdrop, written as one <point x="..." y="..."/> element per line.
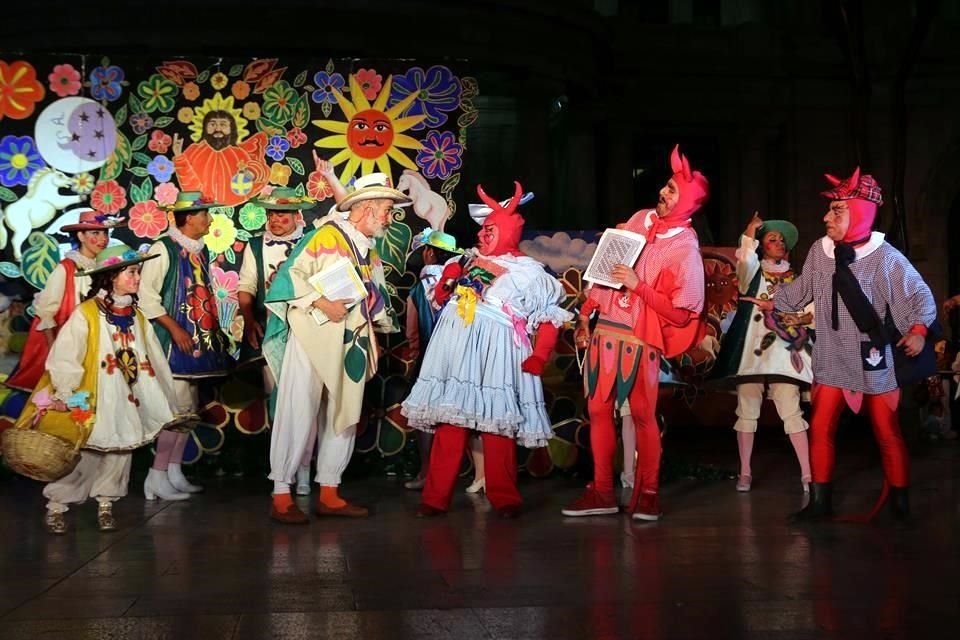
<point x="325" y="83"/>
<point x="278" y="147"/>
<point x="441" y="155"/>
<point x="19" y="160"/>
<point x="105" y="83"/>
<point x="437" y="90"/>
<point x="161" y="169"/>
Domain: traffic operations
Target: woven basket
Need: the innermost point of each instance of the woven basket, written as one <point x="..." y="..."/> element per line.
<point x="39" y="455"/>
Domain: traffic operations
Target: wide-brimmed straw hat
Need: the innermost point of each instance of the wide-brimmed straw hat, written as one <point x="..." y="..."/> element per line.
<point x="374" y="186"/>
<point x="192" y="201"/>
<point x="284" y="199"/>
<point x="94" y="221"/>
<point x="117" y="257"/>
<point x="436" y="239"/>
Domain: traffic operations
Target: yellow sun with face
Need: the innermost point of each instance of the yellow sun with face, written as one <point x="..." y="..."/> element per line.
<point x="372" y="134"/>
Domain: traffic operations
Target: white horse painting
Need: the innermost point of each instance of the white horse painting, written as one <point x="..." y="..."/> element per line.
<point x="37" y="208"/>
<point x="427" y="205"/>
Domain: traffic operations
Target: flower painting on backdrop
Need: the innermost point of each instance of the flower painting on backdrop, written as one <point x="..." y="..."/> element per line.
<point x="124" y="136"/>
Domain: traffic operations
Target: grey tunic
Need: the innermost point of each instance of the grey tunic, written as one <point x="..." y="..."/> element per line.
<point x="844" y="358"/>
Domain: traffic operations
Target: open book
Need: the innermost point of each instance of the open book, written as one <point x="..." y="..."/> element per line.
<point x="339" y="281"/>
<point x="616" y="246"/>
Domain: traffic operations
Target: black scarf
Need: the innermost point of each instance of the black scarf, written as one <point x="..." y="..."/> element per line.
<point x="845" y="285"/>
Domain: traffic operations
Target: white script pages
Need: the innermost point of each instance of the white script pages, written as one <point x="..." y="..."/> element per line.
<point x="616" y="246"/>
<point x="339" y="281"/>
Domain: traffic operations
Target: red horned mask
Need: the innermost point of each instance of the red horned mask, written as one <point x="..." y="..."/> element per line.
<point x="862" y="195"/>
<point x="500" y="231"/>
<point x="693" y="185"/>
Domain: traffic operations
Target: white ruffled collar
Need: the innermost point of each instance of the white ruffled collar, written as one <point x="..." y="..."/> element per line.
<point x="868" y="247"/>
<point x="296" y="234"/>
<point x="191" y="245"/>
<point x="119" y="302"/>
<point x="769" y="266"/>
<point x="82" y="261"/>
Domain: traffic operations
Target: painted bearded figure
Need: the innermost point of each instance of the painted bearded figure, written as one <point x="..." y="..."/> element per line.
<point x="220" y="164"/>
<point x="480" y="371"/>
<point x="656" y="312"/>
<point x="869" y="301"/>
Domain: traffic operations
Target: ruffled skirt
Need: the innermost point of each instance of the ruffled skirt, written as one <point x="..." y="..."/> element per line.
<point x="471" y="378"/>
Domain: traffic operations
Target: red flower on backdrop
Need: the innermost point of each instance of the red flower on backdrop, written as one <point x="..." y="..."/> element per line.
<point x="201" y="307"/>
<point x="20" y="90"/>
<point x="296" y="137"/>
<point x="159" y="141"/>
<point x="147" y="220"/>
<point x="370" y="82"/>
<point x="108" y="197"/>
<point x="65" y="80"/>
<point x="317" y="187"/>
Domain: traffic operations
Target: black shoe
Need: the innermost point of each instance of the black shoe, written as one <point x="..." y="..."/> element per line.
<point x="900" y="503"/>
<point x="820" y="506"/>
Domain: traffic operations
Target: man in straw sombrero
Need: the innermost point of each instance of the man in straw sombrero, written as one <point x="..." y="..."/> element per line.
<point x="177" y="297"/>
<point x="319" y="347"/>
<point x="262" y="259"/>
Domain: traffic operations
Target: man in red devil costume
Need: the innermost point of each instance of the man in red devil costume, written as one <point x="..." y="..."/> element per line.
<point x="657" y="311"/>
<point x="480" y="371"/>
<point x="861" y="288"/>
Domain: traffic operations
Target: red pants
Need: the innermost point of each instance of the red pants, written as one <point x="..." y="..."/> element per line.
<point x="643" y="408"/>
<point x="828" y="404"/>
<point x="499" y="468"/>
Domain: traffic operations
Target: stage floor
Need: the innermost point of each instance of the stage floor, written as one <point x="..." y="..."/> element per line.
<point x="719" y="565"/>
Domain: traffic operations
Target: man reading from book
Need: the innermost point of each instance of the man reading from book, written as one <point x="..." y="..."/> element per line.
<point x="335" y="358"/>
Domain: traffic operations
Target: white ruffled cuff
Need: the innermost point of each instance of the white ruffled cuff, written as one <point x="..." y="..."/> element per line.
<point x="748" y="247"/>
<point x="555" y="315"/>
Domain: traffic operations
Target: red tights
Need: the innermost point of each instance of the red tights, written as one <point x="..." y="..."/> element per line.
<point x="828" y="404"/>
<point x="603" y="437"/>
<point x="499" y="468"/>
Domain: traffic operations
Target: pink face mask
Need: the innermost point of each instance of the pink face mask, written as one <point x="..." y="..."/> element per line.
<point x="862" y="215"/>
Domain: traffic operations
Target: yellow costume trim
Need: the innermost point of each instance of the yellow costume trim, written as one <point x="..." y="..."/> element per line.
<point x="466" y="303"/>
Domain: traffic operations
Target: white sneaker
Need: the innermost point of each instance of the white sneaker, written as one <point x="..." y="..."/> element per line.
<point x="179" y="481"/>
<point x="157" y="485"/>
<point x="626" y="481"/>
<point x="303" y="481"/>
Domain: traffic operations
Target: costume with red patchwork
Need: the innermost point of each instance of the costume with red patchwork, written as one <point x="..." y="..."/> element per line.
<point x="661" y="316"/>
<point x="480" y="371"/>
<point x="856" y="286"/>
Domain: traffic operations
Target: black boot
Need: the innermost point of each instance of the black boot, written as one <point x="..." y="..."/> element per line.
<point x="900" y="503"/>
<point x="820" y="506"/>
